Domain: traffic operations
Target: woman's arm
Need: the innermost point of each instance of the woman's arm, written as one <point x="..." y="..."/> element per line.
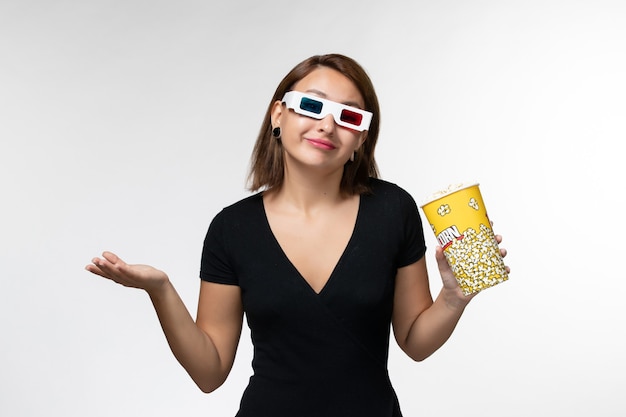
<point x="422" y="326"/>
<point x="205" y="348"/>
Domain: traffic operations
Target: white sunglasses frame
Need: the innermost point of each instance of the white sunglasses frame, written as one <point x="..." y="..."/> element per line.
<point x="292" y="100"/>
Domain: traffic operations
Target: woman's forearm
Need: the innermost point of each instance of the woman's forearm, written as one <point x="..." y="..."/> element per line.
<point x="192" y="347"/>
<point x="434" y="326"/>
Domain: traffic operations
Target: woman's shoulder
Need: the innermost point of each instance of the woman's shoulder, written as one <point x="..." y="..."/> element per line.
<point x="241" y="209"/>
<point x="382" y="187"/>
<point x="245" y="203"/>
<point x="388" y="198"/>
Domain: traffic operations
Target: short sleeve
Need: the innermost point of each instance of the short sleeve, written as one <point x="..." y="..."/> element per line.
<point x="413" y="246"/>
<point x="216" y="262"/>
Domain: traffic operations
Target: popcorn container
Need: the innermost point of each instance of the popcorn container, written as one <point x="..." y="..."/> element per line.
<point x="459" y="220"/>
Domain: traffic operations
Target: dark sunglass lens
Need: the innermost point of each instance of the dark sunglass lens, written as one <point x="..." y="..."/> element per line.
<point x="351" y="117"/>
<point x="311" y="105"/>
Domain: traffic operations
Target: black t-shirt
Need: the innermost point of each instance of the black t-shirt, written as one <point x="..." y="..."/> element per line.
<point x="317" y="354"/>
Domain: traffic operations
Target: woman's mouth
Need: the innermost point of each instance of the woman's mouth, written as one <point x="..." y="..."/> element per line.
<point x="322" y="144"/>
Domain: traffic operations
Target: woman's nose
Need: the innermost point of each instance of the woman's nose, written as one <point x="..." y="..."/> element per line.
<point x="327" y="123"/>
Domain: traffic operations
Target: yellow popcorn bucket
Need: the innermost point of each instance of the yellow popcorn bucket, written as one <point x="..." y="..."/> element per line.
<point x="459" y="220"/>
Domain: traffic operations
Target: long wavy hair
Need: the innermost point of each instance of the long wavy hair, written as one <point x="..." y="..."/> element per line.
<point x="267" y="163"/>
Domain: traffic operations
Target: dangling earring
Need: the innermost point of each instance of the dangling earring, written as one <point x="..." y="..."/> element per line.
<point x="352" y="156"/>
<point x="276" y="133"/>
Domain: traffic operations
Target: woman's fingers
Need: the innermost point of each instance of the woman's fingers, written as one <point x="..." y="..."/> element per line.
<point x="111" y="257"/>
<point x="503" y="251"/>
<point x="94" y="269"/>
<point x="112" y="267"/>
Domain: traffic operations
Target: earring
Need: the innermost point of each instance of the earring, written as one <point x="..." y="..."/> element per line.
<point x="276" y="133"/>
<point x="352" y="156"/>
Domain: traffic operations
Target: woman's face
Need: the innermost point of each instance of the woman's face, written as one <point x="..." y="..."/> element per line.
<point x="321" y="143"/>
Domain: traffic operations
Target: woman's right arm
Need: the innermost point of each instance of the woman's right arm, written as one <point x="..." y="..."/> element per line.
<point x="205" y="348"/>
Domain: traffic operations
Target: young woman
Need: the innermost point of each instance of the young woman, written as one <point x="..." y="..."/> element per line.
<point x="323" y="259"/>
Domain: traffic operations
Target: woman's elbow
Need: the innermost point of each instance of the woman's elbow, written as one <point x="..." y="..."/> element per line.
<point x="417" y="355"/>
<point x="208" y="385"/>
<point x="208" y="388"/>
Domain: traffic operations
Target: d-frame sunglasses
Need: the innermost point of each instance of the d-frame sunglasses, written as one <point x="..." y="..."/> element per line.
<point x="318" y="108"/>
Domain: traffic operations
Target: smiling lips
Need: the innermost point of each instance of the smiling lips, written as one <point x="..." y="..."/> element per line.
<point x="323" y="144"/>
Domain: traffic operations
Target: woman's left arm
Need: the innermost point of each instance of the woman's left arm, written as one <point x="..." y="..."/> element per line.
<point x="420" y="325"/>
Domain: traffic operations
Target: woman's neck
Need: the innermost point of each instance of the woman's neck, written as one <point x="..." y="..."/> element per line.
<point x="307" y="191"/>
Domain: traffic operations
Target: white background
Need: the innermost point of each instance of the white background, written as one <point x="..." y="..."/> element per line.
<point x="127" y="125"/>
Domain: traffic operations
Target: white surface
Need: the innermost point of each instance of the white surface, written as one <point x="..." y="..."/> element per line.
<point x="126" y="126"/>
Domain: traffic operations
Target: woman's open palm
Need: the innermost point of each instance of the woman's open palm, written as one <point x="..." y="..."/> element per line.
<point x="110" y="266"/>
